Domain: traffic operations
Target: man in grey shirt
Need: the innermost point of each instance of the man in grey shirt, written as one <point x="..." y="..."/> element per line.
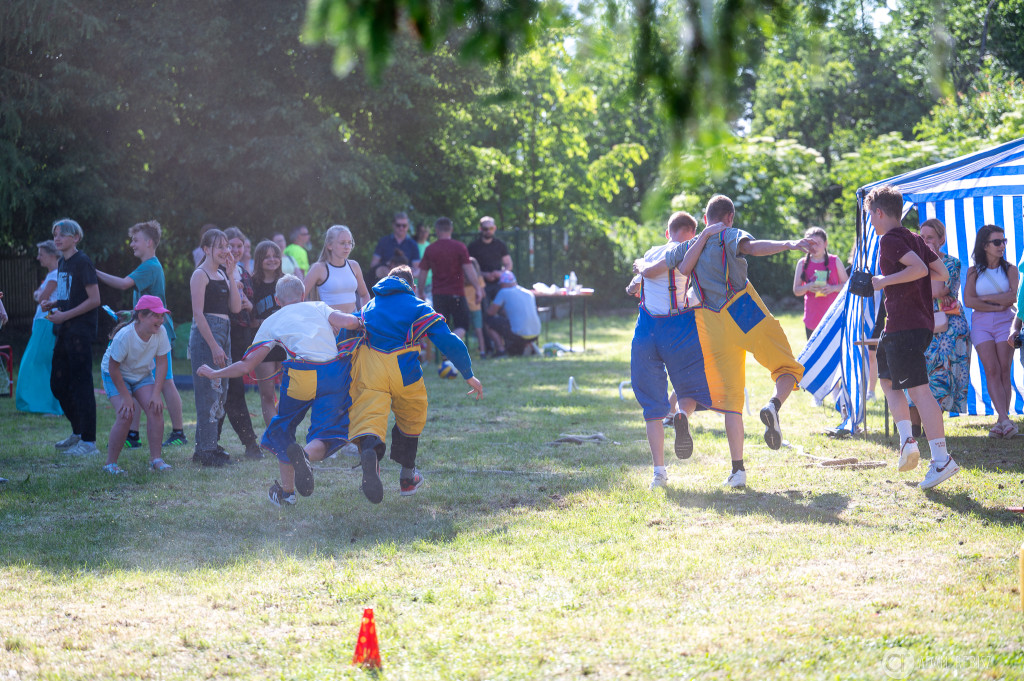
<point x="520" y="307"/>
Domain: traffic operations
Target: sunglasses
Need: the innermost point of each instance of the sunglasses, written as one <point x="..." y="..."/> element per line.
<point x="998" y="242"/>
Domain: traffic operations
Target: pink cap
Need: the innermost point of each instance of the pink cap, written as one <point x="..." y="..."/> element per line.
<point x="151" y="303"/>
<point x="507" y="277"/>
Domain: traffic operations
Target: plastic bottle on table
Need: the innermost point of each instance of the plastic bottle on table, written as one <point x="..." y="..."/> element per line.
<point x="565" y="285"/>
<point x="572" y="282"/>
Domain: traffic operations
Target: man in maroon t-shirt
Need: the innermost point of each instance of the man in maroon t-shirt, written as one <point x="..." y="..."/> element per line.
<point x="908" y="266"/>
<point x="448" y="259"/>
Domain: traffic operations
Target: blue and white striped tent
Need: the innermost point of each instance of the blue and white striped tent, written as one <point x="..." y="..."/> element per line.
<point x="986" y="187"/>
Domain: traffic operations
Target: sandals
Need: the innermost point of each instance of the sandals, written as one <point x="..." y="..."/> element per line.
<point x="159" y="465"/>
<point x="1003" y="430"/>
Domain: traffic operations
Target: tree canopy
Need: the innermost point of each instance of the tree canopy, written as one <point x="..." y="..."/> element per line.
<point x="565" y="125"/>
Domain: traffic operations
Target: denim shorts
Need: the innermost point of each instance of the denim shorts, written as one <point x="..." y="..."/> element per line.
<point x="170" y="370"/>
<point x="111" y="389"/>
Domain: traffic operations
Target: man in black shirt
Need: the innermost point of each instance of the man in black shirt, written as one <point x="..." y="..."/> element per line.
<point x="74" y="315"/>
<point x="492" y="255"/>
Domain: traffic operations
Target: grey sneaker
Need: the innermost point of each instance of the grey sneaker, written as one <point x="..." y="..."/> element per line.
<point x="737" y="479"/>
<point x="659" y="481"/>
<point x="936" y="474"/>
<point x="82" y="448"/>
<point x="69" y="441"/>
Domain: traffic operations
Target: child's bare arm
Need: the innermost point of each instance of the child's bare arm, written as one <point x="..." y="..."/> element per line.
<point x="240" y="368"/>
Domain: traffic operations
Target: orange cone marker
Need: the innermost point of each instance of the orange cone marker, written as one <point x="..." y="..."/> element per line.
<point x="367" y="652"/>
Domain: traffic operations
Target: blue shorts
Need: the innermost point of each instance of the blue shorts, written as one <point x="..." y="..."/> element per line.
<point x="111" y="389"/>
<point x="170" y="370"/>
<point x="667" y="347"/>
<point x="320" y="387"/>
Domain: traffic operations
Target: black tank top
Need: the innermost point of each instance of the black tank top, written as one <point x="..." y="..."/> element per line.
<point x="215" y="300"/>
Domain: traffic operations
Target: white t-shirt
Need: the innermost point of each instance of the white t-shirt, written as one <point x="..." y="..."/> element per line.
<point x="303" y="329"/>
<point x="134" y="354"/>
<point x="521" y="309"/>
<point x="50" y="276"/>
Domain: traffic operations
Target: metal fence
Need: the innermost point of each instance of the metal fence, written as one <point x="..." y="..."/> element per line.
<point x="539" y="254"/>
<point x="19" y="278"/>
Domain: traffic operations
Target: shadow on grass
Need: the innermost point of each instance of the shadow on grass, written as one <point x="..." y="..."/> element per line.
<point x="782" y="506"/>
<point x="962" y="502"/>
<point x="74" y="519"/>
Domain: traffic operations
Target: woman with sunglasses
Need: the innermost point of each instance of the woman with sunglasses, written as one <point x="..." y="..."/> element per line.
<point x="991" y="292"/>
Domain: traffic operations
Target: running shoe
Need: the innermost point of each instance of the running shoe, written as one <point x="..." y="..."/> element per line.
<point x="177" y="437"/>
<point x="772" y="431"/>
<point x="909" y="455"/>
<point x="408" y="486"/>
<point x="938" y="474"/>
<point x="68" y="442"/>
<point x="371" y="485"/>
<point x="278" y="497"/>
<point x="737" y="479"/>
<point x="684" y="442"/>
<point x="83" y="448"/>
<point x="303" y="471"/>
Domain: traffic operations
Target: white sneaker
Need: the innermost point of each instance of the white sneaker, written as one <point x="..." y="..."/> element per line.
<point x="737" y="479"/>
<point x="82" y="448"/>
<point x="69" y="441"/>
<point x="909" y="455"/>
<point x="936" y="475"/>
<point x="659" y="481"/>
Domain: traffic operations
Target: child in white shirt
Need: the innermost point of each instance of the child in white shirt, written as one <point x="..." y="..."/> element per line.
<point x="127" y="372"/>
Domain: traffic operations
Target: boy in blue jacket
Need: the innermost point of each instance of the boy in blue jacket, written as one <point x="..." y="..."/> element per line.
<point x="386" y="377"/>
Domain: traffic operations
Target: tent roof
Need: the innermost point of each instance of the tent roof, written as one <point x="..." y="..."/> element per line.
<point x="998" y="171"/>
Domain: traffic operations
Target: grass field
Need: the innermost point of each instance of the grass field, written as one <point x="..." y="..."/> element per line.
<point x="518" y="559"/>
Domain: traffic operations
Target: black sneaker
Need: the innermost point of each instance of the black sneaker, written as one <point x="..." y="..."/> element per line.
<point x="772" y="431"/>
<point x="177" y="437"/>
<point x="222" y="456"/>
<point x="303" y="472"/>
<point x="253" y="452"/>
<point x="372" y="487"/>
<point x="211" y="459"/>
<point x="684" y="441"/>
<point x="278" y="497"/>
<point x="133" y="442"/>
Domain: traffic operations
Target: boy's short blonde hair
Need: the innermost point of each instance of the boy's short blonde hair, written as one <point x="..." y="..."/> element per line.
<point x="289" y="289"/>
<point x="681" y="220"/>
<point x="887" y="199"/>
<point x="150" y="229"/>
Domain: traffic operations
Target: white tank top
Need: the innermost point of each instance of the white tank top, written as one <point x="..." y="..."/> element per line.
<point x="991" y="282"/>
<point x="340" y="285"/>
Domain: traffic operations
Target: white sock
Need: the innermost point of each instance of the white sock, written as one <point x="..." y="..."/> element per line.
<point x="905" y="430"/>
<point x="661" y="471"/>
<point x="938" y="450"/>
